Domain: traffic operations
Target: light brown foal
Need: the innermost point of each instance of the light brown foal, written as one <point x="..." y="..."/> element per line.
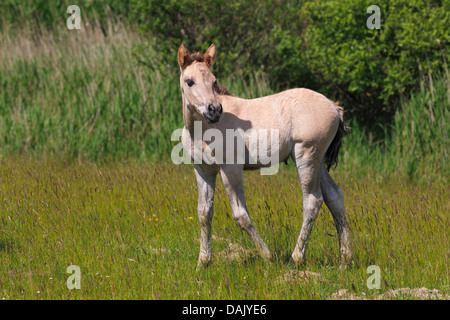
<point x="309" y="126"/>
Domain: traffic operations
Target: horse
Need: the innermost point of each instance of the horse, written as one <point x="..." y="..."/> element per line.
<point x="310" y="130"/>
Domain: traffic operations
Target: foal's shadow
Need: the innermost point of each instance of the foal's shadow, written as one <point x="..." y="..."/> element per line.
<point x="233" y="122"/>
<point x="229" y="121"/>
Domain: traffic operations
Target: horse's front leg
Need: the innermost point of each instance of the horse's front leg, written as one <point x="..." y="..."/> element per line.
<point x="232" y="177"/>
<point x="206" y="183"/>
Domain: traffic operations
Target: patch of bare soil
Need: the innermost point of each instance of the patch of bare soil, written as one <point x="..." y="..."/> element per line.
<point x="296" y="276"/>
<point x="344" y="294"/>
<point x="234" y="251"/>
<point x="415" y="293"/>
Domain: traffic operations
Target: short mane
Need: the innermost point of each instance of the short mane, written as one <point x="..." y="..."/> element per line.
<point x="222" y="90"/>
<point x="196" y="56"/>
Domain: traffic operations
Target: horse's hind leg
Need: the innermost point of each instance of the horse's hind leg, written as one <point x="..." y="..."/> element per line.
<point x="308" y="169"/>
<point x="334" y="199"/>
<point x="232" y="176"/>
<point x="206" y="183"/>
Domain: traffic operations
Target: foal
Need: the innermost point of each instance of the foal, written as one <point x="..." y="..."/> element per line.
<point x="310" y="128"/>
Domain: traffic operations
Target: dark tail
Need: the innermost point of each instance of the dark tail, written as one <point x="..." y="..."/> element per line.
<point x="332" y="154"/>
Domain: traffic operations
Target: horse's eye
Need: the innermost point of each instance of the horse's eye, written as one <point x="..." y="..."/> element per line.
<point x="190" y="82"/>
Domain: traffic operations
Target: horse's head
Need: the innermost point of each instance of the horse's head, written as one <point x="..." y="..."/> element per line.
<point x="198" y="83"/>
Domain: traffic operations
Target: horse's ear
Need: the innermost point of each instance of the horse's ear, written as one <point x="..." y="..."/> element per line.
<point x="210" y="55"/>
<point x="183" y="57"/>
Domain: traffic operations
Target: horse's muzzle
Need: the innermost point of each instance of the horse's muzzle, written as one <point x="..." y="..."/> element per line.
<point x="214" y="113"/>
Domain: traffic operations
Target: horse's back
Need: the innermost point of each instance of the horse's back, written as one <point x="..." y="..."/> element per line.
<point x="303" y="114"/>
<point x="313" y="117"/>
<point x="299" y="115"/>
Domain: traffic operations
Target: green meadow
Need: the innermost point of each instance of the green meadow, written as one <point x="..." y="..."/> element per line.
<point x="86" y="179"/>
<point x="132" y="229"/>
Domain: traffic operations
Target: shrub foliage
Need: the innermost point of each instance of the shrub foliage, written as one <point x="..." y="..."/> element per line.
<point x="323" y="45"/>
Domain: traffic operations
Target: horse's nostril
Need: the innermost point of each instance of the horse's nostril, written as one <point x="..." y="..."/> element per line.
<point x="211" y="110"/>
<point x="221" y="109"/>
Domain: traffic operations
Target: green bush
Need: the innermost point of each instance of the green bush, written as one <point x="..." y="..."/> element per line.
<point x="371" y="70"/>
<point x="323" y="45"/>
<point x="251" y="37"/>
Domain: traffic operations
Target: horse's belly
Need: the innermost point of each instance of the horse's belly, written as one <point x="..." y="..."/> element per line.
<point x="252" y="150"/>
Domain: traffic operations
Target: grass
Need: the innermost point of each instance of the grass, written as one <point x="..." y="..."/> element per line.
<point x="84" y="96"/>
<point x="84" y="180"/>
<point x="128" y="227"/>
<point x="415" y="145"/>
<point x="86" y="102"/>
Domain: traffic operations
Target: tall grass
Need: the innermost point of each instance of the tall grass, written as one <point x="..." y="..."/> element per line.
<point x="84" y="95"/>
<point x="43" y="14"/>
<point x="415" y="145"/>
<point x="81" y="96"/>
<point x="421" y="131"/>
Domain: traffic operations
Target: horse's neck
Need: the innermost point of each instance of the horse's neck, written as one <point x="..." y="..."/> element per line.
<point x="189" y="118"/>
